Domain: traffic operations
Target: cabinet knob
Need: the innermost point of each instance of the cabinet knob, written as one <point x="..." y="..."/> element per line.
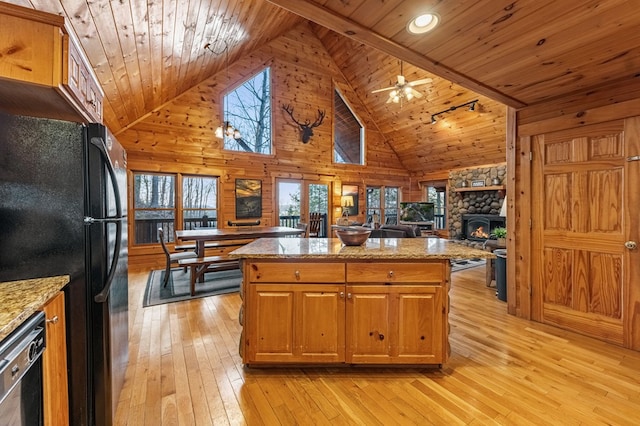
<point x="342" y="295"/>
<point x="381" y="336"/>
<point x="631" y="245"/>
<point x="348" y="295"/>
<point x="390" y="274"/>
<point x="53" y="320"/>
<point x="297" y="274"/>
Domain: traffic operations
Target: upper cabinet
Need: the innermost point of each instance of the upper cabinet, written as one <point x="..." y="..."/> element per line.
<point x="43" y="70"/>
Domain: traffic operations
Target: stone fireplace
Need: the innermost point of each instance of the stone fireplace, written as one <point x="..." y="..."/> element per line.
<point x="467" y="200"/>
<point x="478" y="227"/>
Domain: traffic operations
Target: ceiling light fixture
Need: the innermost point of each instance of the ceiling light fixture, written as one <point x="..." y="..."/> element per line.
<point x="471" y="104"/>
<point x="423" y="23"/>
<point x="226" y="129"/>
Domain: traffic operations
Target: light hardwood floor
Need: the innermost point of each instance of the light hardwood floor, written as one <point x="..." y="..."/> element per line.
<point x="185" y="369"/>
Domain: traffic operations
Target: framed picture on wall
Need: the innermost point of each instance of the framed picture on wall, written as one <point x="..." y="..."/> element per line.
<point x="349" y="199"/>
<point x="248" y="198"/>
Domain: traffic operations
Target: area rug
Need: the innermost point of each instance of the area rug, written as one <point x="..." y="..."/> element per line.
<point x="177" y="289"/>
<point x="460" y="264"/>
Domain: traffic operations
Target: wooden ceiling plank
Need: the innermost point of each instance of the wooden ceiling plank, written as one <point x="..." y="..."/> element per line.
<point x="357" y="32"/>
<point x="135" y="71"/>
<point x="154" y="21"/>
<point x="103" y="17"/>
<point x="81" y="20"/>
<point x="561" y="38"/>
<point x="190" y="25"/>
<point x="204" y="32"/>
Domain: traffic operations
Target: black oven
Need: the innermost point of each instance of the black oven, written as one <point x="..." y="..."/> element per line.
<point x="21" y="374"/>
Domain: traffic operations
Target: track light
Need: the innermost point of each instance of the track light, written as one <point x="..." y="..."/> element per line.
<point x="471" y="104"/>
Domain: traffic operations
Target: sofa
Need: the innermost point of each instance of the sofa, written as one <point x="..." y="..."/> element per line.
<point x="396" y="231"/>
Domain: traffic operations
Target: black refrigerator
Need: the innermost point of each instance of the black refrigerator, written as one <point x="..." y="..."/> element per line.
<point x="63" y="210"/>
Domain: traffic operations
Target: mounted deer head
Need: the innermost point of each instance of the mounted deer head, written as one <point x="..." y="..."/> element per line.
<point x="306" y="128"/>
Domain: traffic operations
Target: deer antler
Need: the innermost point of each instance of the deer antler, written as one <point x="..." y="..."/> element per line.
<point x="306" y="128"/>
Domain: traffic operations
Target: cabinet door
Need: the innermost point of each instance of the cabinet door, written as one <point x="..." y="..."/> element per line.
<point x="54" y="362"/>
<point x="269" y="323"/>
<point x="420" y="325"/>
<point x="295" y="323"/>
<point x="395" y="324"/>
<point x="368" y="320"/>
<point x="320" y="323"/>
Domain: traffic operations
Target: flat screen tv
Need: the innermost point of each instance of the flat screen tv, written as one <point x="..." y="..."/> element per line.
<point x="416" y="212"/>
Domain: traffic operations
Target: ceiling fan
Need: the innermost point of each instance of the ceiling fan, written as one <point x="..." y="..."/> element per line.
<point x="403" y="90"/>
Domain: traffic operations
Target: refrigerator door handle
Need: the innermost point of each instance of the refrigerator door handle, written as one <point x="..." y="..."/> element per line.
<point x="88" y="220"/>
<point x="104" y="294"/>
<point x="99" y="143"/>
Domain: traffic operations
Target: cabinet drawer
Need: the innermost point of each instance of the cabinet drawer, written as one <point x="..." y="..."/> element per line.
<point x="278" y="272"/>
<point x="423" y="272"/>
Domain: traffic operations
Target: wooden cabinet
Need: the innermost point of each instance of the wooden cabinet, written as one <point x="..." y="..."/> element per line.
<point x="54" y="363"/>
<point x="395" y="324"/>
<point x="296" y="323"/>
<point x="43" y="71"/>
<point x="352" y="312"/>
<point x="296" y="312"/>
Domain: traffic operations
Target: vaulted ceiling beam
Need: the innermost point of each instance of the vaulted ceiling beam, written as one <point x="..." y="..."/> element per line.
<point x="329" y="19"/>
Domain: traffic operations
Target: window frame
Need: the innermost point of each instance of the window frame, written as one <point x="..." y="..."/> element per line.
<point x="233" y="86"/>
<point x="338" y="92"/>
<point x="177" y="209"/>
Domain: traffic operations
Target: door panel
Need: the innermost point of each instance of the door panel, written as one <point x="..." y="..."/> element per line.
<point x="578" y="251"/>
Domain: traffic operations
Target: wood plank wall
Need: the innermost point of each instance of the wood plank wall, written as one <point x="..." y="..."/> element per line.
<point x="179" y="136"/>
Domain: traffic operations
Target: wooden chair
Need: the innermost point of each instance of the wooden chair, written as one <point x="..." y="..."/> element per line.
<point x="172" y="258"/>
<point x="303" y="226"/>
<point x="315" y="222"/>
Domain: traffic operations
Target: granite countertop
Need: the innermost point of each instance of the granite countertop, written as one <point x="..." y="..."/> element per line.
<point x="20" y="299"/>
<point x="373" y="248"/>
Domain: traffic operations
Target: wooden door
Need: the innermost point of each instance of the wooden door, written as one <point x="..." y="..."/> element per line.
<point x="582" y="270"/>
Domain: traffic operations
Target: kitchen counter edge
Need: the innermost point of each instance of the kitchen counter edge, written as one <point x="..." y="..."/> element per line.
<point x="20" y="299"/>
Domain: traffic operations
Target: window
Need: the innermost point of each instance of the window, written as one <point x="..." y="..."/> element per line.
<point x="199" y="202"/>
<point x="383" y="202"/>
<point x="436" y="193"/>
<point x="248" y="109"/>
<point x="155" y="205"/>
<point x="348" y="146"/>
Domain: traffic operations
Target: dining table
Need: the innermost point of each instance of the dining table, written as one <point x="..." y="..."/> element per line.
<point x="202" y="235"/>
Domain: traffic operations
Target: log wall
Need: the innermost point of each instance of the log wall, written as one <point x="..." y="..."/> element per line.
<point x="179" y="136"/>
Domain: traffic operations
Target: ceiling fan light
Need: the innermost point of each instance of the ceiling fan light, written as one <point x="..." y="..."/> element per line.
<point x="393" y="94"/>
<point x="409" y="96"/>
<point x="396" y="99"/>
<point x="219" y="133"/>
<point x="423" y="23"/>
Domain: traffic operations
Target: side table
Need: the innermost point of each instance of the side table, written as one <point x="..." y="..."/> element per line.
<point x="491" y="245"/>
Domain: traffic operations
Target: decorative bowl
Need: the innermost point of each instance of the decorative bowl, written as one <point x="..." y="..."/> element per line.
<point x="353" y="237"/>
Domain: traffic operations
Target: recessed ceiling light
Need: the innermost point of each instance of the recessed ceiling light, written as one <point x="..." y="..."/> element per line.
<point x="423" y="23"/>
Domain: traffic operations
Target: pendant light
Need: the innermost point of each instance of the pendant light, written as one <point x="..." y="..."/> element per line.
<point x="226" y="128"/>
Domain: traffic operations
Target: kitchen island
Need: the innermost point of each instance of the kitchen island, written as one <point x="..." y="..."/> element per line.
<point x="316" y="301"/>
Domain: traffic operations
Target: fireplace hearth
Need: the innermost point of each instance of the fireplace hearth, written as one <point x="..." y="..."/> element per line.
<point x="478" y="227"/>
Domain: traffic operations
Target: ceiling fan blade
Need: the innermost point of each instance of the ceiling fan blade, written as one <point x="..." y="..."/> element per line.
<point x="401" y="80"/>
<point x="421" y="81"/>
<point x="382" y="90"/>
<point x="416" y="94"/>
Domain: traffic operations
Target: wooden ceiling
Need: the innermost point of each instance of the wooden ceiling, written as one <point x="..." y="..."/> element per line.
<point x="515" y="53"/>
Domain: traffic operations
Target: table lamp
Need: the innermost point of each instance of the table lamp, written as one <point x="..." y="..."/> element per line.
<point x="346" y="201"/>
